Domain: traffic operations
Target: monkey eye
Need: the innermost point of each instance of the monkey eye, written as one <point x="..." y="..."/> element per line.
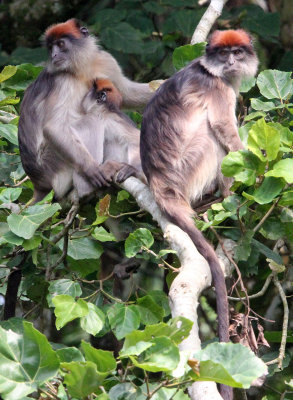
<point x="237" y="52"/>
<point x="61" y="44"/>
<point x="223" y="52"/>
<point x="108" y="89"/>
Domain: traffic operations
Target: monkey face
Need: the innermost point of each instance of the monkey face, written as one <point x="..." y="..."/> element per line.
<point x="101" y="96"/>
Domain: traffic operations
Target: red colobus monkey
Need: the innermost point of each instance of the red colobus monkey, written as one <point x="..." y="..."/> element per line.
<point x="108" y="134"/>
<point x="188" y="127"/>
<point x="51" y="149"/>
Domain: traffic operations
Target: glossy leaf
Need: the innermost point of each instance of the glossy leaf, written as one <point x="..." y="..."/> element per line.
<point x="81" y="378"/>
<point x="264" y="138"/>
<point x="230" y="364"/>
<point x="67" y="309"/>
<point x="7" y="72"/>
<point x="26" y="223"/>
<point x="283" y="169"/>
<point x="104" y="360"/>
<point x="29" y="359"/>
<point x="183" y="55"/>
<point x="9" y="132"/>
<point x="102" y="235"/>
<point x="63" y="286"/>
<point x="94" y="321"/>
<point x="274" y="84"/>
<point x="137" y="239"/>
<point x="69" y="354"/>
<point x="269" y="189"/>
<point x="9" y="195"/>
<point x="82" y="248"/>
<point x="150" y="312"/>
<point x="123" y="319"/>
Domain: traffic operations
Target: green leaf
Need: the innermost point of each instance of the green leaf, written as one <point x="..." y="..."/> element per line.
<point x="243" y="165"/>
<point x="183" y="55"/>
<point x="7" y="72"/>
<point x="26" y="361"/>
<point x="82" y="248"/>
<point x="67" y="309"/>
<point x="268" y="190"/>
<point x="9" y="132"/>
<point x="182" y="21"/>
<point x="283" y="169"/>
<point x="68" y="354"/>
<point x="253" y="115"/>
<point x="33" y="243"/>
<point x="26" y="223"/>
<point x="274" y="84"/>
<point x="247" y="84"/>
<point x="107" y="17"/>
<point x="259" y="105"/>
<point x="243" y="248"/>
<point x="82" y="378"/>
<point x="10" y="237"/>
<point x="266" y="251"/>
<point x="124" y="391"/>
<point x="137" y="239"/>
<point x="115" y="36"/>
<point x="231" y="364"/>
<point x="104" y="360"/>
<point x="63" y="286"/>
<point x="94" y="321"/>
<point x="136" y="342"/>
<point x="264" y="138"/>
<point x="150" y="312"/>
<point x="162" y="356"/>
<point x="25" y="74"/>
<point x="287" y="198"/>
<point x="122" y="195"/>
<point x="102" y="235"/>
<point x="123" y="319"/>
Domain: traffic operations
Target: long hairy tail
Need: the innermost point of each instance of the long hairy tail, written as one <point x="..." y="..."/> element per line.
<point x="180" y="213"/>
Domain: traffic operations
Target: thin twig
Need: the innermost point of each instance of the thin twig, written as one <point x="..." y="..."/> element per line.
<point x="282" y="349"/>
<point x="266" y="216"/>
<point x="157" y="256"/>
<point x="258" y="294"/>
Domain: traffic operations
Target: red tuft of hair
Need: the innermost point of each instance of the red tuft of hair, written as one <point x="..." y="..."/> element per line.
<point x="70" y="27"/>
<point x="113" y="94"/>
<point x="230" y="38"/>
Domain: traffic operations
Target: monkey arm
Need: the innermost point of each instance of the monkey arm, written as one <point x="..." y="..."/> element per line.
<point x="222" y="120"/>
<point x="134" y="94"/>
<point x="68" y="144"/>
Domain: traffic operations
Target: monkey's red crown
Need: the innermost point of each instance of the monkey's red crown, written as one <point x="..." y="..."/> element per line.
<point x="230" y="38"/>
<point x="69" y="27"/>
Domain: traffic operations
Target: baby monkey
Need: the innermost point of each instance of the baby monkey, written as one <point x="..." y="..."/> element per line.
<point x="109" y="135"/>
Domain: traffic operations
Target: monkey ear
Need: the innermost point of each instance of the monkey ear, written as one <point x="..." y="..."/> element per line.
<point x="84" y="31"/>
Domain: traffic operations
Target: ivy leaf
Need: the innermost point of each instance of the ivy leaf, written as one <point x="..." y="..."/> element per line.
<point x="264" y="138"/>
<point x="102" y="235"/>
<point x="27" y="361"/>
<point x="9" y="132"/>
<point x="94" y="321"/>
<point x="162" y="356"/>
<point x="274" y="84"/>
<point x="183" y="55"/>
<point x="104" y="360"/>
<point x="231" y="364"/>
<point x="26" y="223"/>
<point x="81" y="378"/>
<point x="283" y="169"/>
<point x="269" y="189"/>
<point x="67" y="309"/>
<point x="63" y="286"/>
<point x="68" y="354"/>
<point x="9" y="195"/>
<point x="7" y="72"/>
<point x="123" y="319"/>
<point x="150" y="311"/>
<point x="82" y="248"/>
<point x="137" y="239"/>
<point x="243" y="165"/>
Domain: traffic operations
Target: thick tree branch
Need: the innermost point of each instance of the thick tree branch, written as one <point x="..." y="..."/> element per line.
<point x="194" y="277"/>
<point x="208" y="19"/>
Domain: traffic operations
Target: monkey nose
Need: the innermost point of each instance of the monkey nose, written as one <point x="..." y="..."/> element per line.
<point x="231" y="60"/>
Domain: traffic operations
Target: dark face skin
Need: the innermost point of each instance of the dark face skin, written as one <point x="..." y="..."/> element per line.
<point x="60" y="50"/>
<point x="230" y="57"/>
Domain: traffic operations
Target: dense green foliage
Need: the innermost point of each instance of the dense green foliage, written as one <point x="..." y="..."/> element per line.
<point x="68" y="287"/>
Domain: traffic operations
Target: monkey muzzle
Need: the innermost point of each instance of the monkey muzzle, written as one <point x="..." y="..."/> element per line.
<point x="101" y="96"/>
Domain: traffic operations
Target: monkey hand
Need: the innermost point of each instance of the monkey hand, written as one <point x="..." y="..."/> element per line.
<point x="96" y="175"/>
<point x="125" y="172"/>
